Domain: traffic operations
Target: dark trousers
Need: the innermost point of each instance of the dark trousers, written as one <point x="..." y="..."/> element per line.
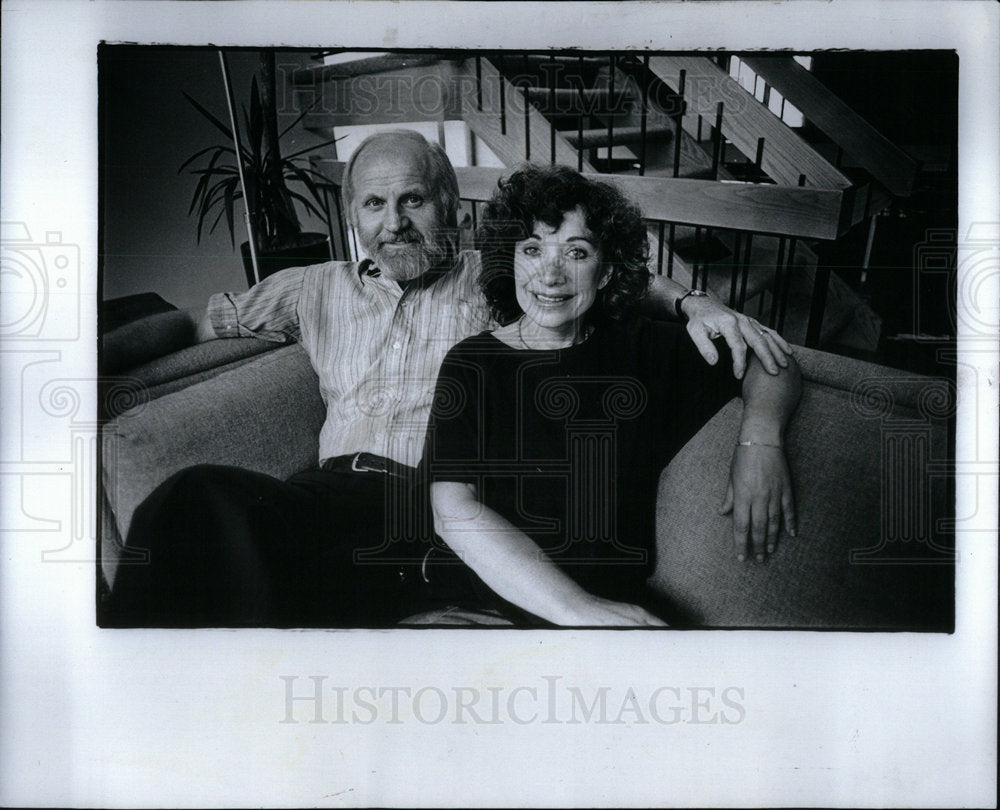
<point x="226" y="547"/>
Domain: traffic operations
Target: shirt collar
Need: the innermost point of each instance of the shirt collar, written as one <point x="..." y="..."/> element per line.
<point x="367" y="268"/>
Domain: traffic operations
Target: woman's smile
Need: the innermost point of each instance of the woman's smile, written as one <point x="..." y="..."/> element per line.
<point x="557" y="274"/>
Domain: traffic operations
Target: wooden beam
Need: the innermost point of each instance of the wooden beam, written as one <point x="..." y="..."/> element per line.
<point x="745" y="120"/>
<point x="763" y="208"/>
<point x="891" y="166"/>
<point x="502" y="126"/>
<point x="305" y="77"/>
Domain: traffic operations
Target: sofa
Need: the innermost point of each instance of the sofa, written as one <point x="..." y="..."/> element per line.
<point x="868" y="448"/>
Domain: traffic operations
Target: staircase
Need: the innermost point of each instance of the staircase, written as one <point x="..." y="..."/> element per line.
<point x="736" y="201"/>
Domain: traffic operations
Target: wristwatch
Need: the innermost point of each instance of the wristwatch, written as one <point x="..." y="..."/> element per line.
<point x="680" y="299"/>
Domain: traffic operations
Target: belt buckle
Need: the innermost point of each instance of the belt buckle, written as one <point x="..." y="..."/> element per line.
<point x="354" y="464"/>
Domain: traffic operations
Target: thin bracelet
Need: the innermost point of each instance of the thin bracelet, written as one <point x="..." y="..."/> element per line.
<point x="759" y="444"/>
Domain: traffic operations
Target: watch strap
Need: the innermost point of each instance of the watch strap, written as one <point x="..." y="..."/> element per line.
<point x="680" y="300"/>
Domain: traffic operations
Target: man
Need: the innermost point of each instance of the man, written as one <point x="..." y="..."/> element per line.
<point x="333" y="546"/>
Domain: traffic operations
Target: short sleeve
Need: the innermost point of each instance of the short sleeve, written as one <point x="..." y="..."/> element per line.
<point x="455" y="429"/>
<point x="269" y="310"/>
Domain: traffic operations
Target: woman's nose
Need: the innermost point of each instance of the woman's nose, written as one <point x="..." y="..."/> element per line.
<point x="552" y="270"/>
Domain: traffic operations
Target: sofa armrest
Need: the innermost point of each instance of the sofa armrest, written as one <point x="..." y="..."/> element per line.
<point x="870" y="552"/>
<point x="264" y="416"/>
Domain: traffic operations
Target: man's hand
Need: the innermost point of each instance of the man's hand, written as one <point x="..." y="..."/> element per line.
<point x="708" y="319"/>
<point x="759" y="495"/>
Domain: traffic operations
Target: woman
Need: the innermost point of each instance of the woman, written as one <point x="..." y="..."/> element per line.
<point x="548" y="434"/>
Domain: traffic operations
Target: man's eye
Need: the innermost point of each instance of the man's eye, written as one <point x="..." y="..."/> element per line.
<point x="413" y="200"/>
<point x="374" y="202"/>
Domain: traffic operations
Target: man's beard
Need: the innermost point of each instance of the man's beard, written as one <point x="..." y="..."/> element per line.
<point x="412" y="261"/>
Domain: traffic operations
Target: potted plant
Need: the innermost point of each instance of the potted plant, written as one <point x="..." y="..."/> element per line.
<point x="267" y="173"/>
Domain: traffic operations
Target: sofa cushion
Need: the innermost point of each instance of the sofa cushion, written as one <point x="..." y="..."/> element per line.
<point x="264" y="416"/>
<point x="195" y="363"/>
<point x="849" y="566"/>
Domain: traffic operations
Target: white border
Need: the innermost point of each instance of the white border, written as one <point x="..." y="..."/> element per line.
<point x="96" y="718"/>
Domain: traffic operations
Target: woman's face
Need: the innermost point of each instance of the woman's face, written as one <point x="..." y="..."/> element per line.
<point x="557" y="273"/>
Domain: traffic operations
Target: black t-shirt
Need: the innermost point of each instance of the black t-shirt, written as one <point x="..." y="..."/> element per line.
<point x="568" y="444"/>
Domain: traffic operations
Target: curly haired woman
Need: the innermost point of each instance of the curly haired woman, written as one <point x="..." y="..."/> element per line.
<point x="548" y="434"/>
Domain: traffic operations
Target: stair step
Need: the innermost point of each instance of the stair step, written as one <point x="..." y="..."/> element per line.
<point x="567" y="101"/>
<point x="599" y="137"/>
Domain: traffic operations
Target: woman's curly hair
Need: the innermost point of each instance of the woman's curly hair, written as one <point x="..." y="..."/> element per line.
<point x="545" y="194"/>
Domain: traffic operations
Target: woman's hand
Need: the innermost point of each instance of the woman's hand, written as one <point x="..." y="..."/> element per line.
<point x="759" y="494"/>
<point x="593" y="611"/>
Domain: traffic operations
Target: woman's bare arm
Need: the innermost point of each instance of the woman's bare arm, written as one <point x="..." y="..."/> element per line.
<point x="513" y="565"/>
<point x="760" y="485"/>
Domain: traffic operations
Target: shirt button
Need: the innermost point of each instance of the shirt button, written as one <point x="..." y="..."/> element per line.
<point x="395" y="345"/>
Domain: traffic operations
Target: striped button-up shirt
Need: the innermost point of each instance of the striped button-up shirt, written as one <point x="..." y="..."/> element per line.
<point x="375" y="348"/>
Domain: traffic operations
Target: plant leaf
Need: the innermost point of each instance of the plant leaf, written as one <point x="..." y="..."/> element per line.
<point x="256" y="125"/>
<point x="197" y="155"/>
<point x="307" y="203"/>
<point x="308" y="149"/>
<point x="221" y="127"/>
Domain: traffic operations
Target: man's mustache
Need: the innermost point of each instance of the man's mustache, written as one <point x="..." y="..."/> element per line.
<point x="402" y="238"/>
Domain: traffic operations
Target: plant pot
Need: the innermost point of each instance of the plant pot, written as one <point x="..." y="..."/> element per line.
<point x="309" y="248"/>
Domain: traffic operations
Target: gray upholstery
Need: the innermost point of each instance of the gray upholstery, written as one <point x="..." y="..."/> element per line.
<point x="837" y="572"/>
<point x="864" y="557"/>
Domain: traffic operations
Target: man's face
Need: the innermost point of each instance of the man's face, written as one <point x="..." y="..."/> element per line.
<point x="397" y="215"/>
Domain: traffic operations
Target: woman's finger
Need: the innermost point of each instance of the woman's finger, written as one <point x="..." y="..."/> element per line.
<point x="654" y="621"/>
<point x="741" y="527"/>
<point x="773" y="524"/>
<point x="758" y="525"/>
<point x="727" y="501"/>
<point x="788" y="507"/>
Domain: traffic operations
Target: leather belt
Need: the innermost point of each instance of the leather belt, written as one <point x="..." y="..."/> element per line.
<point x="368" y="462"/>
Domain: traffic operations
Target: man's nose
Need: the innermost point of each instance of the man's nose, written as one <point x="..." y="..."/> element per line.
<point x="395" y="220"/>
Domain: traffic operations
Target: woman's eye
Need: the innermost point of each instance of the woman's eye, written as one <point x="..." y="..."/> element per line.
<point x="577" y="254"/>
<point x="531" y="250"/>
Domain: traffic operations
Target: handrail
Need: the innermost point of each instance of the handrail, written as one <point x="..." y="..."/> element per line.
<point x="785" y="157"/>
<point x="809" y="213"/>
<point x="884" y="161"/>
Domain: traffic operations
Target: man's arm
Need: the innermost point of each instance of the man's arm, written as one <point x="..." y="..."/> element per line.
<point x="707" y="319"/>
<point x="760" y="486"/>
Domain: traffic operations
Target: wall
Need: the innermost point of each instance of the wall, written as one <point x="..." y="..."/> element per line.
<point x="148" y="130"/>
